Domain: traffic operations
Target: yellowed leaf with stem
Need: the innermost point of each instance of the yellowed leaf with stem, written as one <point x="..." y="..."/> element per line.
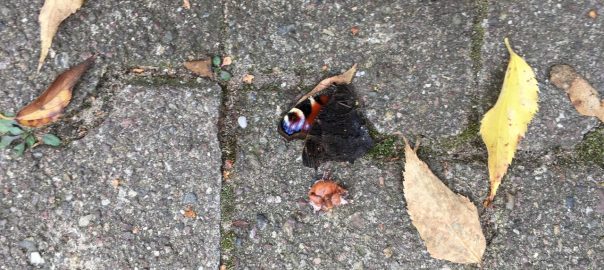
<point x="504" y="125"/>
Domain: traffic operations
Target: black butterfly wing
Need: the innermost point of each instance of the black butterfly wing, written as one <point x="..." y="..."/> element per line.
<point x="339" y="132"/>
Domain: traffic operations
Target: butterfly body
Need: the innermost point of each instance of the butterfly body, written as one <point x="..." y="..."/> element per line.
<point x="330" y="124"/>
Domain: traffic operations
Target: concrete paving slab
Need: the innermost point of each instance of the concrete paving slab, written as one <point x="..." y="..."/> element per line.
<point x="272" y="225"/>
<point x="117" y="198"/>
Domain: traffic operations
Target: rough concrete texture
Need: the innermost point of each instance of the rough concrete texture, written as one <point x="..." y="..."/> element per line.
<point x="427" y="68"/>
<point x="406" y="76"/>
<point x="115" y="199"/>
<point x="125" y="33"/>
<point x="280" y="230"/>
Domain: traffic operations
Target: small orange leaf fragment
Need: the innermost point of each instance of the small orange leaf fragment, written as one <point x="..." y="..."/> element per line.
<point x="186" y="4"/>
<point x="326" y="194"/>
<point x="355" y="30"/>
<point x="202" y="68"/>
<point x="226" y="61"/>
<point x="137" y="70"/>
<point x="189" y="212"/>
<point x="49" y="106"/>
<point x="248" y="78"/>
<point x="593" y="14"/>
<point x="115" y="183"/>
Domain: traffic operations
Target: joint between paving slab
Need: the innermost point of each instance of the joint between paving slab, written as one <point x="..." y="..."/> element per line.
<point x="481" y="8"/>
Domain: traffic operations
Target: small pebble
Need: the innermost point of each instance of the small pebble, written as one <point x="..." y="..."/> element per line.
<point x="388" y="252"/>
<point x="316" y="261"/>
<point x="509" y="204"/>
<point x="261" y="221"/>
<point x="570" y="202"/>
<point x="28" y="244"/>
<point x="35" y="258"/>
<point x="105" y="202"/>
<point x="85" y="220"/>
<point x="242" y="121"/>
<point x="189" y="198"/>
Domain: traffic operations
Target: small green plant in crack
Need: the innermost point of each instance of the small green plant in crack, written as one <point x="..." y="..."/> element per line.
<point x="219" y="67"/>
<point x="22" y="138"/>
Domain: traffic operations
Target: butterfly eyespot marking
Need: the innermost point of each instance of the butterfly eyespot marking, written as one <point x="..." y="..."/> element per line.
<point x="293" y="121"/>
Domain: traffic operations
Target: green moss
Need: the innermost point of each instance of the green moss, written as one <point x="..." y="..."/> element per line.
<point x="227" y="201"/>
<point x="227" y="245"/>
<point x="386" y="147"/>
<point x="468" y="135"/>
<point x="481" y="11"/>
<point x="227" y="241"/>
<point x="591" y="149"/>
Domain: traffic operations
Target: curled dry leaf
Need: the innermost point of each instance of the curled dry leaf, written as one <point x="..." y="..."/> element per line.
<point x="504" y="125"/>
<point x="447" y="222"/>
<point x="326" y="194"/>
<point x="186" y="4"/>
<point x="49" y="106"/>
<point x="226" y="61"/>
<point x="51" y="15"/>
<point x="248" y="78"/>
<point x="202" y="68"/>
<point x="189" y="212"/>
<point x="355" y="30"/>
<point x="581" y="94"/>
<point x="344" y="78"/>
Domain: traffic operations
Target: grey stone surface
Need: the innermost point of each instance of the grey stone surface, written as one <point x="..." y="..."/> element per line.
<point x="125" y="33"/>
<point x="542" y="230"/>
<point x="159" y="134"/>
<point x="270" y="187"/>
<point x="415" y="71"/>
<point x="545" y="35"/>
<point x="159" y="144"/>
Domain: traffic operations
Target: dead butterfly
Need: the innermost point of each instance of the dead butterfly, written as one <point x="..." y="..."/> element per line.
<point x="330" y="124"/>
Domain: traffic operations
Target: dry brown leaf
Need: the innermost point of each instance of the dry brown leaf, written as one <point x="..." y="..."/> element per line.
<point x="51" y="15"/>
<point x="186" y="4"/>
<point x="355" y="30"/>
<point x="248" y="78"/>
<point x="581" y="94"/>
<point x="344" y="78"/>
<point x="202" y="68"/>
<point x="137" y="70"/>
<point x="49" y="106"/>
<point x="447" y="222"/>
<point x="593" y="14"/>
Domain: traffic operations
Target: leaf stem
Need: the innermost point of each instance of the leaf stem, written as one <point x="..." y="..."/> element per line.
<point x="507" y="45"/>
<point x="5" y="117"/>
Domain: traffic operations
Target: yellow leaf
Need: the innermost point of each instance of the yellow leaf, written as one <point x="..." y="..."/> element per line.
<point x="447" y="222"/>
<point x="504" y="125"/>
<point x="52" y="14"/>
